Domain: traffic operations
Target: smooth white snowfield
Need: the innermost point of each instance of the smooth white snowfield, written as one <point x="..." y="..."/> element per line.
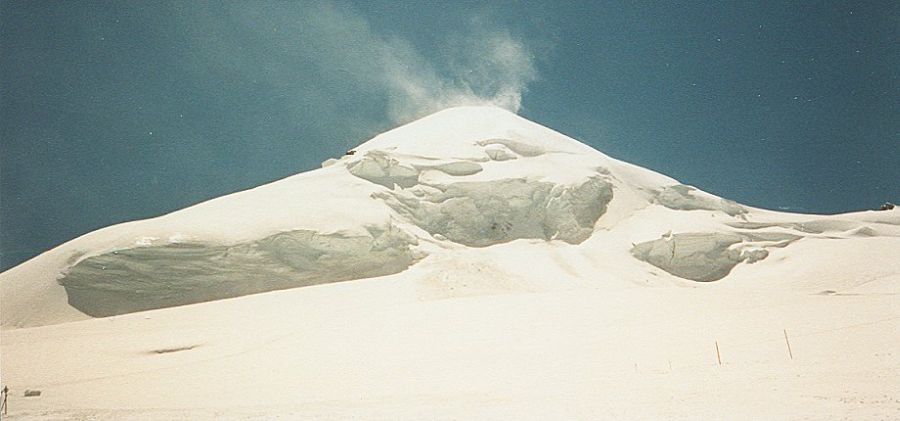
<point x="492" y="269"/>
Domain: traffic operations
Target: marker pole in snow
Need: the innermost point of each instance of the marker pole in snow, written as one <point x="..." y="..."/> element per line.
<point x="718" y="355"/>
<point x="790" y="353"/>
<point x="5" y="396"/>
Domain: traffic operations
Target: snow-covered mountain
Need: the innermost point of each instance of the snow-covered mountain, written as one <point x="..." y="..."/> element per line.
<point x="458" y="194"/>
<point x="493" y="268"/>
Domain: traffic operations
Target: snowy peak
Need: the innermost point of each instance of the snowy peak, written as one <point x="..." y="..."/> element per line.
<point x="459" y="193"/>
<point x="463" y="141"/>
<point x="458" y="132"/>
<point x="480" y="176"/>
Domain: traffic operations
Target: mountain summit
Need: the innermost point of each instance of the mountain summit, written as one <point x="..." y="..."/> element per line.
<point x="467" y="201"/>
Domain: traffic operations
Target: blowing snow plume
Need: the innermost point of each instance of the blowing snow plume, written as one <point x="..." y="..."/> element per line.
<point x="329" y="58"/>
<point x="488" y="67"/>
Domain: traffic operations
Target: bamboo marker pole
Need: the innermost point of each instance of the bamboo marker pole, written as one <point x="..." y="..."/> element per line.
<point x="786" y="341"/>
<point x="718" y="354"/>
<point x="5" y="396"/>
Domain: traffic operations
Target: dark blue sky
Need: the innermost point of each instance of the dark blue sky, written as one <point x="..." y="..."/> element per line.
<point x="115" y="111"/>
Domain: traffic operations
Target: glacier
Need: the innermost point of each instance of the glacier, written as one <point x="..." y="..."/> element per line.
<point x="462" y="178"/>
<point x="469" y="265"/>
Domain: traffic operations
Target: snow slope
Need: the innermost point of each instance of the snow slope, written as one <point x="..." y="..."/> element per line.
<point x="494" y="268"/>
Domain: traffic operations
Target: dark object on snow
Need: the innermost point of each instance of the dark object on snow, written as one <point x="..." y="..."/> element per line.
<point x="887" y="206"/>
<point x="350" y="152"/>
<point x="32" y="393"/>
<point x="3" y="405"/>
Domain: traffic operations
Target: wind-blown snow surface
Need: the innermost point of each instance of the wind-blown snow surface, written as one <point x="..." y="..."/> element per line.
<point x="496" y="268"/>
